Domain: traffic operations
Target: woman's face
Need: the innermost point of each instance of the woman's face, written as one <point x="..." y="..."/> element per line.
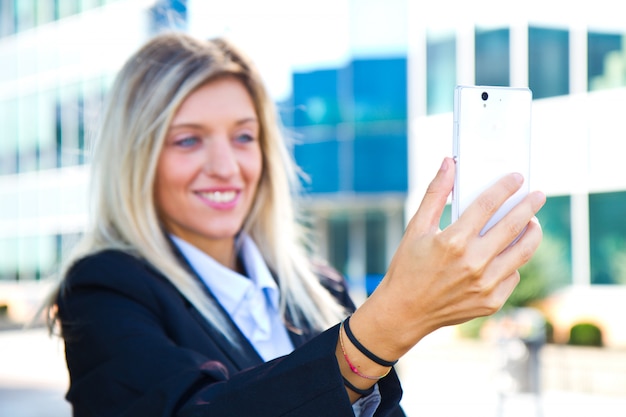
<point x="210" y="166"/>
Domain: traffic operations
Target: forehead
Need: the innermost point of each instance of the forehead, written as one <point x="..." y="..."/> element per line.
<point x="220" y="99"/>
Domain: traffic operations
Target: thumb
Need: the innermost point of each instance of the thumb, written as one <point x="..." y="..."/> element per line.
<point x="428" y="215"/>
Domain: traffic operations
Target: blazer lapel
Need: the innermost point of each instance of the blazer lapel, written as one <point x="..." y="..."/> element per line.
<point x="239" y="350"/>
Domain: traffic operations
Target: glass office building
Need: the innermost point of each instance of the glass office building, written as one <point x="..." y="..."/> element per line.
<point x="366" y="94"/>
<point x="58" y="59"/>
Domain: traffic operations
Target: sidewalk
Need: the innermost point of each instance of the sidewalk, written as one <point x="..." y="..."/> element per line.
<point x="447" y="377"/>
<point x="33" y="377"/>
<point x="441" y="377"/>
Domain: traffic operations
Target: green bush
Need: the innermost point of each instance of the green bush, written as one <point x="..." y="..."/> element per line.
<point x="472" y="328"/>
<point x="549" y="332"/>
<point x="545" y="273"/>
<point x="585" y="334"/>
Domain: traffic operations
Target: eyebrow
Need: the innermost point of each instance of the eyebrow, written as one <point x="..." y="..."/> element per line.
<point x="200" y="126"/>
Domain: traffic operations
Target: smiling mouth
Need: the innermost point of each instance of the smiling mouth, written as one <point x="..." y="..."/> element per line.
<point x="219" y="196"/>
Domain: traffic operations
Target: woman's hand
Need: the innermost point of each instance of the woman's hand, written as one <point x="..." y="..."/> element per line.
<point x="440" y="278"/>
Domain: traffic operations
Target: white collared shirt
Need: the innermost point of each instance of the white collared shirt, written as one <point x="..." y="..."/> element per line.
<point x="253" y="304"/>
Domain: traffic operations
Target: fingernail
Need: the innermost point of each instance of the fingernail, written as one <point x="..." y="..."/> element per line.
<point x="518" y="177"/>
<point x="540" y="197"/>
<point x="444" y="165"/>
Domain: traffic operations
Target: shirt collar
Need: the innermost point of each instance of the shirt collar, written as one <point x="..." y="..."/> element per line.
<point x="228" y="286"/>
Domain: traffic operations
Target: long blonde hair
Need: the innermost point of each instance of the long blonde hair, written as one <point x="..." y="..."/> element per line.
<point x="145" y="96"/>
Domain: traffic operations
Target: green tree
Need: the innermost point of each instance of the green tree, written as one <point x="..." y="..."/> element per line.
<point x="544" y="273"/>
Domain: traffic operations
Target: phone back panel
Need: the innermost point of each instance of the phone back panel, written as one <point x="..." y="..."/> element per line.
<point x="491" y="139"/>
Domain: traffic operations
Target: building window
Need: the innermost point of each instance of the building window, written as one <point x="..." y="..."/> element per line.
<point x="45" y="130"/>
<point x="168" y="15"/>
<point x="26" y="14"/>
<point x="607" y="237"/>
<point x="357" y="245"/>
<point x="7" y="17"/>
<point x="68" y="125"/>
<point x="65" y="8"/>
<point x="554" y="256"/>
<point x="8" y="137"/>
<point x="27" y="133"/>
<point x="440" y="71"/>
<point x="606" y="60"/>
<point x="548" y="62"/>
<point x="375" y="248"/>
<point x="492" y="57"/>
<point x="338" y="242"/>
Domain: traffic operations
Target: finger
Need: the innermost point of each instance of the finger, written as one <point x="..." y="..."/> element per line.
<point x="503" y="291"/>
<point x="478" y="213"/>
<point x="511" y="226"/>
<point x="428" y="215"/>
<point x="519" y="253"/>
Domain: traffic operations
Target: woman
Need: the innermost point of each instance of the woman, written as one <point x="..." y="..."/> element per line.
<point x="192" y="293"/>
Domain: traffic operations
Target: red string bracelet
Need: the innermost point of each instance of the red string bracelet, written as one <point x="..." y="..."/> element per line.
<point x="353" y="368"/>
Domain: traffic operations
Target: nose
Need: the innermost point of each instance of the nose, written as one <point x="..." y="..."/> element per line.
<point x="220" y="160"/>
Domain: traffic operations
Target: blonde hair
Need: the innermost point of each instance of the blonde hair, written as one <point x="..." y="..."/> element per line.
<point x="145" y="96"/>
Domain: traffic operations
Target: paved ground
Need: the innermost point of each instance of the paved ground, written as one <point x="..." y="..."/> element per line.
<point x="440" y="378"/>
<point x="33" y="378"/>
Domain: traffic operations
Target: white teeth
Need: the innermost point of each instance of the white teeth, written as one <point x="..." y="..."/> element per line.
<point x="220" y="196"/>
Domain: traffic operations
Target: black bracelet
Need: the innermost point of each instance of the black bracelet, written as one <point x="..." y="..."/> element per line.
<point x="362" y="348"/>
<point x="361" y="392"/>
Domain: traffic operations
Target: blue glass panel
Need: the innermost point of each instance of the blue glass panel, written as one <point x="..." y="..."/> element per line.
<point x="603" y="51"/>
<point x="315" y="98"/>
<point x="380" y="163"/>
<point x="548" y="62"/>
<point x="492" y="57"/>
<point x="607" y="234"/>
<point x="380" y="89"/>
<point x="319" y="162"/>
<point x="440" y="73"/>
<point x="168" y="15"/>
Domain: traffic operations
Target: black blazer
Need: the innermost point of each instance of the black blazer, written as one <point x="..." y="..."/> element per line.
<point x="136" y="347"/>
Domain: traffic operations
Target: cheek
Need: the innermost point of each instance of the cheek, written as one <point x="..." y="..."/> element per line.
<point x="170" y="178"/>
<point x="252" y="167"/>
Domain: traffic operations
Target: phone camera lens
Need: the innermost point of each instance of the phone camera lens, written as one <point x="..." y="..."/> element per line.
<point x="484" y="96"/>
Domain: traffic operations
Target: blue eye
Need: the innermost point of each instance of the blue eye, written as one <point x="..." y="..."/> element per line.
<point x="244" y="138"/>
<point x="187" y="141"/>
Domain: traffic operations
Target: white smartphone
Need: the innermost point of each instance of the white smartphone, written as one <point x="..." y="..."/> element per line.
<point x="491" y="139"/>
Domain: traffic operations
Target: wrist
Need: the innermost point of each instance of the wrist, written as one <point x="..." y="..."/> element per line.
<point x="385" y="327"/>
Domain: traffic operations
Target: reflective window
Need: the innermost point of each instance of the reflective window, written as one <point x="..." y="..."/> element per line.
<point x="607" y="234"/>
<point x="440" y="71"/>
<point x="65" y="8"/>
<point x="352" y="119"/>
<point x="553" y="260"/>
<point x="168" y="15"/>
<point x="19" y="15"/>
<point x="45" y="130"/>
<point x="376" y="248"/>
<point x="492" y="57"/>
<point x="357" y="244"/>
<point x="548" y="62"/>
<point x="9" y="258"/>
<point x="68" y="113"/>
<point x="26" y="14"/>
<point x="7" y="17"/>
<point x="44" y="11"/>
<point x="8" y="137"/>
<point x="27" y="133"/>
<point x="606" y="60"/>
<point x="338" y="242"/>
